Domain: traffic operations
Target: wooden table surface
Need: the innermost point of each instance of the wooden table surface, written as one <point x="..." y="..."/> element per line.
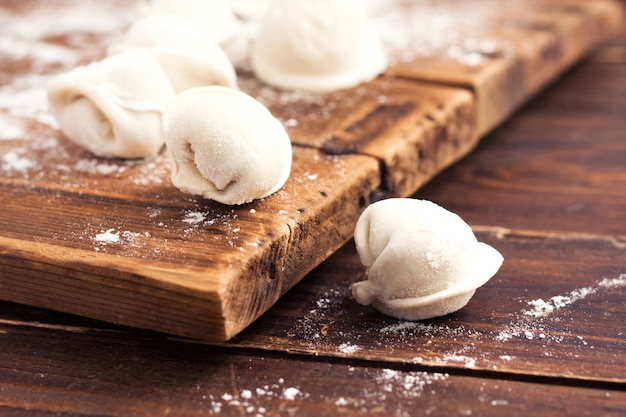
<point x="546" y="336"/>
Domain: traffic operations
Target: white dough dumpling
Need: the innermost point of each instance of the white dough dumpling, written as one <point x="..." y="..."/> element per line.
<point x="423" y="260"/>
<point x="320" y="45"/>
<point x="225" y="145"/>
<point x="250" y="9"/>
<point x="189" y="55"/>
<point x="213" y="16"/>
<point x="113" y="107"/>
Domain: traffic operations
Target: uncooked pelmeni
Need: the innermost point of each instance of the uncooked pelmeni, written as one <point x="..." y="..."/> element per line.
<point x="250" y="13"/>
<point x="189" y="55"/>
<point x="423" y="260"/>
<point x="225" y="145"/>
<point x="113" y="107"/>
<point x="213" y="16"/>
<point x="317" y="46"/>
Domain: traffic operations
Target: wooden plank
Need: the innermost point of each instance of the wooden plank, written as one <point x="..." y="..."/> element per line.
<point x="558" y="166"/>
<point x="156" y="274"/>
<point x="62" y="207"/>
<point x="144" y="377"/>
<point x="502" y="53"/>
<point x="506" y="52"/>
<point x="414" y="129"/>
<point x="556" y="308"/>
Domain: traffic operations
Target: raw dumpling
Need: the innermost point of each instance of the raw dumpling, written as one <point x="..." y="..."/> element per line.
<point x="213" y="16"/>
<point x="423" y="260"/>
<point x="317" y="46"/>
<point x="250" y="13"/>
<point x="113" y="107"/>
<point x="225" y="145"/>
<point x="190" y="56"/>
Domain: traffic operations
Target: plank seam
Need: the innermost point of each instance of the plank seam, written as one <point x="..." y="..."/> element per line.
<point x="618" y="241"/>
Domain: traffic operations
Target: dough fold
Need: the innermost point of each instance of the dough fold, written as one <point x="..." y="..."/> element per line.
<point x="113" y="107"/>
<point x="189" y="55"/>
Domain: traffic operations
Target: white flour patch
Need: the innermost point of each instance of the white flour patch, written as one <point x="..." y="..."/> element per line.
<point x="74" y="18"/>
<point x="429" y="28"/>
<point x="94" y="166"/>
<point x="107" y="237"/>
<point x="542" y="308"/>
<point x="407" y="384"/>
<point x="467" y="361"/>
<point x="124" y="238"/>
<point x="194" y="217"/>
<point x="252" y="399"/>
<point x="25" y="98"/>
<point x="291" y="393"/>
<point x="13" y="161"/>
<point x="349" y="348"/>
<point x="11" y="129"/>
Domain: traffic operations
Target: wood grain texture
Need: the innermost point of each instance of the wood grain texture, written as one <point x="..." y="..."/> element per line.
<point x="574" y="184"/>
<point x="523" y="47"/>
<point x="163" y="377"/>
<point x="415" y="129"/>
<point x="113" y="240"/>
<point x="555" y="309"/>
<point x="156" y="274"/>
<point x="548" y="190"/>
<point x="479" y="361"/>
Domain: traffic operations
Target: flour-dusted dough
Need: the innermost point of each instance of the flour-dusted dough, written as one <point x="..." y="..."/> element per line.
<point x="250" y="14"/>
<point x="225" y="145"/>
<point x="317" y="46"/>
<point x="213" y="16"/>
<point x="423" y="260"/>
<point x="250" y="9"/>
<point x="189" y="55"/>
<point x="113" y="107"/>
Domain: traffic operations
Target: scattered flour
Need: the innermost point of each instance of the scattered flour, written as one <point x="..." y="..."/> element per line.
<point x="442" y="342"/>
<point x="194" y="217"/>
<point x="12" y="161"/>
<point x="11" y="128"/>
<point x="435" y="28"/>
<point x="468" y="362"/>
<point x="291" y="393"/>
<point x="542" y="308"/>
<point x="409" y="384"/>
<point x="250" y="400"/>
<point x="349" y="348"/>
<point x="112" y="236"/>
<point x="108" y="236"/>
<point x="95" y="166"/>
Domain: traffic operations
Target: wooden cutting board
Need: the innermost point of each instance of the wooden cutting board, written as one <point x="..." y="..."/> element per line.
<point x="114" y="240"/>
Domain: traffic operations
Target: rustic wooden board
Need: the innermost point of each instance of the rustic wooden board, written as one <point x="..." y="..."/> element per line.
<point x="178" y="262"/>
<point x="506" y="52"/>
<point x="161" y="377"/>
<point x="182" y="265"/>
<point x="573" y="185"/>
<point x="415" y="129"/>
